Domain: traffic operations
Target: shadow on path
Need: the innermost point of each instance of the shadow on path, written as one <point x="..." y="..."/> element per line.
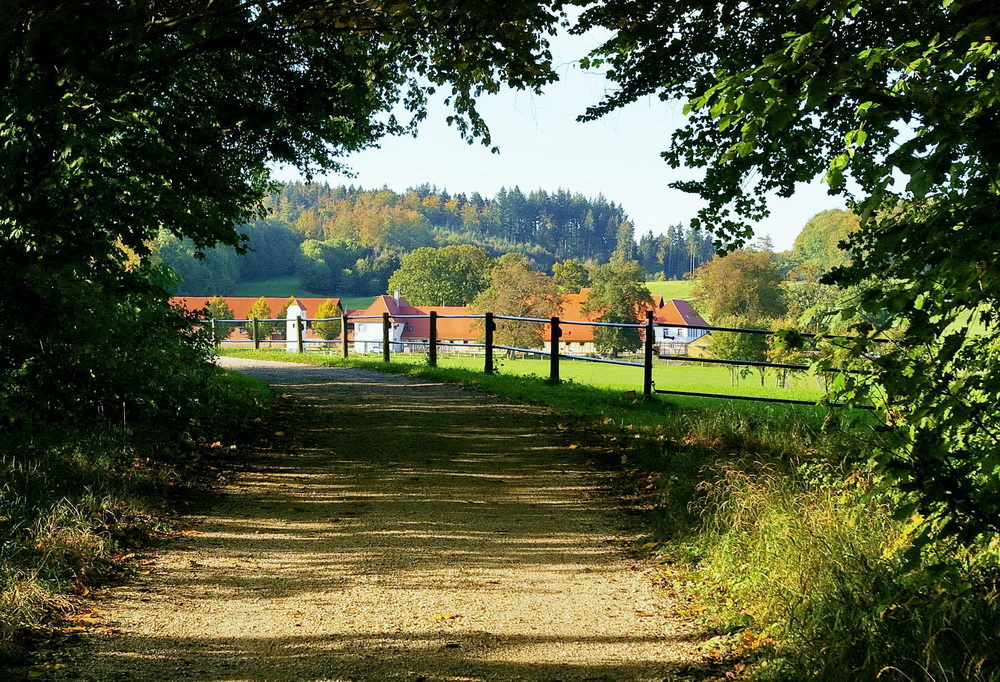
<point x="400" y="529"/>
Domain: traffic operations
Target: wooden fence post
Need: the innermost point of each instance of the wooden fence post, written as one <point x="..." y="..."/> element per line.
<point x="215" y="332"/>
<point x="554" y="334"/>
<point x="299" y="333"/>
<point x="343" y="334"/>
<point x="490" y="326"/>
<point x="647" y="361"/>
<point x="385" y="337"/>
<point x="432" y="338"/>
<point x="255" y="334"/>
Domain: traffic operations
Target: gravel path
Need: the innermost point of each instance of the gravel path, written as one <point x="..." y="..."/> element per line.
<point x="400" y="529"/>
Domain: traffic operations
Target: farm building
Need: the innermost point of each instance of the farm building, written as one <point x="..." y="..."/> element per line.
<point x="669" y="340"/>
<point x="405" y="331"/>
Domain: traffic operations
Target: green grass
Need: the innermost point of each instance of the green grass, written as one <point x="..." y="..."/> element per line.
<point x="292" y="286"/>
<point x="675" y="288"/>
<point x="356" y="302"/>
<point x="666" y="376"/>
<point x="279" y="286"/>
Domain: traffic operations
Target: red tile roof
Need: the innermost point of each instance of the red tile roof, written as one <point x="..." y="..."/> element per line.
<point x="679" y="311"/>
<point x="419" y="327"/>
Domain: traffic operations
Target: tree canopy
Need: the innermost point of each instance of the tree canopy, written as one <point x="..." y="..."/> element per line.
<point x="743" y="284"/>
<point x="896" y="106"/>
<point x="451" y="275"/>
<point x="119" y="120"/>
<point x="515" y="289"/>
<point x="618" y="294"/>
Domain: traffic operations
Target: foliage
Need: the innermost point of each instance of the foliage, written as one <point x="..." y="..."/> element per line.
<point x="739" y="346"/>
<point x="450" y="275"/>
<point x="618" y="294"/>
<point x="676" y="253"/>
<point x="260" y="310"/>
<point x="517" y="290"/>
<point x="218" y="309"/>
<point x="331" y="328"/>
<point x="570" y="276"/>
<point x="348" y="240"/>
<point x="119" y="121"/>
<point x="891" y="104"/>
<point x="818" y="244"/>
<point x="741" y="284"/>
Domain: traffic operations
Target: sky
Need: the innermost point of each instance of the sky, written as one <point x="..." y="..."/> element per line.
<point x="543" y="146"/>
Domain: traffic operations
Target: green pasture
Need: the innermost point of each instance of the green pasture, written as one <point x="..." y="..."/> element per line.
<point x="292" y="286"/>
<point x="680" y="377"/>
<point x="674" y="288"/>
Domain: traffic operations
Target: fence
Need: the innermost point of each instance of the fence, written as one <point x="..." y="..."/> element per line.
<point x="296" y="341"/>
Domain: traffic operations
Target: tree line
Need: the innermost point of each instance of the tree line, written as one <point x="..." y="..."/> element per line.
<point x="348" y="240"/>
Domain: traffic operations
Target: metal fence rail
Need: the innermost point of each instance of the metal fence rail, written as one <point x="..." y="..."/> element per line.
<point x="555" y="355"/>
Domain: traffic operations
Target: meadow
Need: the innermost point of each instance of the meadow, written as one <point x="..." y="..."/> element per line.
<point x="681" y="377"/>
<point x="676" y="288"/>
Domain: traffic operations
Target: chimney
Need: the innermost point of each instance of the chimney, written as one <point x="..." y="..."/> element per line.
<point x="395" y="296"/>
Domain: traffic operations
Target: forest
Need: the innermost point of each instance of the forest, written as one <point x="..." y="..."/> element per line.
<point x="348" y="240"/>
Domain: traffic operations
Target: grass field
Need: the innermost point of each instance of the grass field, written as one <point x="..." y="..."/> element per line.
<point x="675" y="288"/>
<point x="665" y="376"/>
<point x="292" y="286"/>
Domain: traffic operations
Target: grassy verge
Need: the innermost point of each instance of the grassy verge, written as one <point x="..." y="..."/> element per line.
<point x="76" y="505"/>
<point x="770" y="513"/>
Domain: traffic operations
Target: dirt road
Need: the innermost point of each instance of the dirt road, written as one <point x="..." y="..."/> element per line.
<point x="400" y="530"/>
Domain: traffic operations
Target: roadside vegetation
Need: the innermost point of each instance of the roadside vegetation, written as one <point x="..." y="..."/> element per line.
<point x="90" y="476"/>
<point x="803" y="567"/>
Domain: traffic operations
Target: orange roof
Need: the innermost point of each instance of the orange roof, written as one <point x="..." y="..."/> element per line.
<point x="679" y="311"/>
<point x="419" y="327"/>
<point x="240" y="305"/>
<point x="571" y="308"/>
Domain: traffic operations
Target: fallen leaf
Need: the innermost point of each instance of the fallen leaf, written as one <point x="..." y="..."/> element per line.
<point x="92" y="616"/>
<point x="191" y="532"/>
<point x="573" y="446"/>
<point x="279" y="433"/>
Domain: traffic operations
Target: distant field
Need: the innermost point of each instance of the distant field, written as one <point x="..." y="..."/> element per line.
<point x="676" y="288"/>
<point x="292" y="286"/>
<point x="356" y="302"/>
<point x="280" y="286"/>
<point x="666" y="376"/>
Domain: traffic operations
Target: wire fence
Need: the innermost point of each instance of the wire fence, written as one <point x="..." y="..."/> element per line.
<point x="388" y="336"/>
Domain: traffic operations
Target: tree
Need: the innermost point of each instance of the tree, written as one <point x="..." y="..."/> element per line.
<point x="742" y="284"/>
<point x="818" y="244"/>
<point x="892" y="104"/>
<point x="450" y="275"/>
<point x="618" y="294"/>
<point x="331" y="328"/>
<point x="122" y="119"/>
<point x="517" y="290"/>
<point x="739" y="346"/>
<point x="218" y="309"/>
<point x="570" y="276"/>
<point x="260" y="310"/>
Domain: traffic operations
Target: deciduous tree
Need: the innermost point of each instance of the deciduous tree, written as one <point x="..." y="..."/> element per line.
<point x="329" y="329"/>
<point x="260" y="310"/>
<point x="450" y="275"/>
<point x="218" y="309"/>
<point x="742" y="284"/>
<point x="618" y="294"/>
<point x="896" y="106"/>
<point x="517" y="290"/>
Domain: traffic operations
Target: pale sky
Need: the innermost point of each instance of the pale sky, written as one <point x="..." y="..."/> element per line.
<point x="542" y="146"/>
